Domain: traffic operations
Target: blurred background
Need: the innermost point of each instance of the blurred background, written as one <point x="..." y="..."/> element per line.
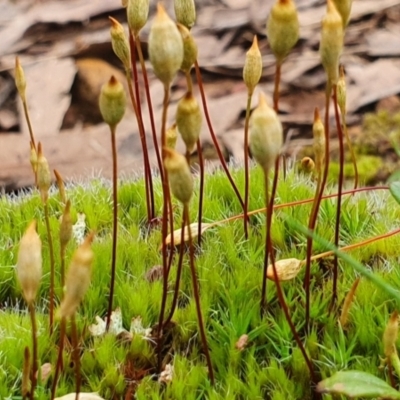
<point x="65" y="50"/>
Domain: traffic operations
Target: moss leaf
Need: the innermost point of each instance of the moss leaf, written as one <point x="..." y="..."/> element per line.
<point x="395" y="190"/>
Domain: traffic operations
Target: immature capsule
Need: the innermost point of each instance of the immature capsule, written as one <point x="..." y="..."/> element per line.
<point x="20" y="81"/>
<point x="165" y="47"/>
<point x="29" y="263"/>
<point x="43" y="175"/>
<point x="252" y="69"/>
<point x="180" y="178"/>
<point x="282" y="28"/>
<point x="189" y="49"/>
<point x="119" y="43"/>
<point x="266" y="134"/>
<point x="319" y="140"/>
<point x="185" y="12"/>
<point x="137" y="13"/>
<point x="112" y="102"/>
<point x="344" y="9"/>
<point x="188" y="120"/>
<point x="78" y="278"/>
<point x="331" y="45"/>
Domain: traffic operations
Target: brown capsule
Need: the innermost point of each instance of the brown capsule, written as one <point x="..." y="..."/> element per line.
<point x="252" y="70"/>
<point x="61" y="186"/>
<point x="189" y="49"/>
<point x="29" y="263"/>
<point x="282" y="28"/>
<point x="20" y="81"/>
<point x="266" y="134"/>
<point x="188" y="120"/>
<point x="112" y="102"/>
<point x="286" y="269"/>
<point x="78" y="278"/>
<point x="119" y="43"/>
<point x="43" y="175"/>
<point x="242" y="342"/>
<point x="180" y="178"/>
<point x="331" y="44"/>
<point x="348" y="301"/>
<point x="165" y="47"/>
<point x="319" y="141"/>
<point x="391" y="334"/>
<point x="307" y="165"/>
<point x="137" y="14"/>
<point x="185" y="12"/>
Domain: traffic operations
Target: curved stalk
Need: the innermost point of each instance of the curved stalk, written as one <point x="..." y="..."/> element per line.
<point x="213" y="137"/>
<point x="75" y="352"/>
<point x="276" y="85"/>
<point x="197" y="298"/>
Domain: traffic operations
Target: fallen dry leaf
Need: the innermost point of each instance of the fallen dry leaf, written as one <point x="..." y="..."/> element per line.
<point x="286" y="269"/>
<point x="82" y="396"/>
<point x="166" y="375"/>
<point x="45" y="372"/>
<point x="154" y="274"/>
<point x="194" y="229"/>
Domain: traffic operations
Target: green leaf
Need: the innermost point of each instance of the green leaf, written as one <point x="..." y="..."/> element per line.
<point x="356" y="384"/>
<point x="395" y="190"/>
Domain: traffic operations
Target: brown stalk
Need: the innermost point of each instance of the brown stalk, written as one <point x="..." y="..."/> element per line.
<point x="164" y="228"/>
<point x="149" y="104"/>
<point x="35" y="357"/>
<point x="197" y="297"/>
<point x="269" y="202"/>
<point x="212" y="133"/>
<point x="76" y="356"/>
<point x="138" y="114"/>
<point x="178" y="272"/>
<point x="59" y="364"/>
<point x="201" y="165"/>
<point x="115" y="225"/>
<point x="246" y="167"/>
<point x="339" y="198"/>
<point x="276" y="85"/>
<point x="269" y="249"/>
<point x="52" y="267"/>
<point x="315" y="210"/>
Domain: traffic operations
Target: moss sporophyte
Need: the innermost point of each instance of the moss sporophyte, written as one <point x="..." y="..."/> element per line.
<point x="258" y="306"/>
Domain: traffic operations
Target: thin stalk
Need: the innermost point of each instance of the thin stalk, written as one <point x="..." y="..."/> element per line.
<point x="75" y="352"/>
<point x="355" y="245"/>
<point x="349" y="145"/>
<point x="150" y="105"/>
<point x="164" y="228"/>
<point x="197" y="297"/>
<point x="59" y="364"/>
<point x="297" y="203"/>
<point x="35" y="357"/>
<point x="115" y="225"/>
<point x="276" y="85"/>
<point x="201" y="166"/>
<point x="339" y="197"/>
<point x="149" y="205"/>
<point x="178" y="273"/>
<point x="348" y="301"/>
<point x="52" y="267"/>
<point x="281" y="297"/>
<point x="269" y="202"/>
<point x="315" y="210"/>
<point x="149" y="183"/>
<point x="28" y="121"/>
<point x="201" y="194"/>
<point x="26" y="374"/>
<point x="62" y="269"/>
<point x="213" y="137"/>
<point x="246" y="166"/>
